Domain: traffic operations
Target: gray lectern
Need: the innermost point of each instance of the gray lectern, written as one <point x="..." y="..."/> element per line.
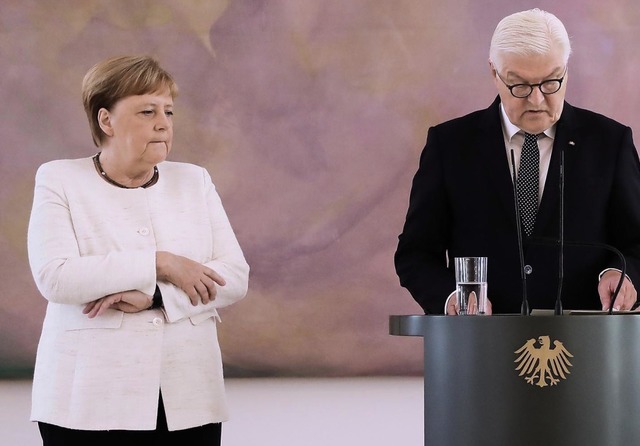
<point x="536" y="380"/>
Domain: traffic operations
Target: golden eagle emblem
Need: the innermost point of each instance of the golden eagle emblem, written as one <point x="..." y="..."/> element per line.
<point x="542" y="364"/>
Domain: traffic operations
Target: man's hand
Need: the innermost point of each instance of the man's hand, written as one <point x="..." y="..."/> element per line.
<point x="195" y="279"/>
<point x="453" y="308"/>
<point x="627" y="296"/>
<point x="131" y="301"/>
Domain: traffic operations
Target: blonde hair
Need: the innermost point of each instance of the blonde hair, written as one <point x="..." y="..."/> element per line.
<point x="113" y="79"/>
<point x="527" y="33"/>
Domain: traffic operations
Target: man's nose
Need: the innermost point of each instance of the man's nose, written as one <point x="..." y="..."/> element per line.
<point x="536" y="97"/>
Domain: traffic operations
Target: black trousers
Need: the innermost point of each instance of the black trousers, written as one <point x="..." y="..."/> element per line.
<point x="207" y="435"/>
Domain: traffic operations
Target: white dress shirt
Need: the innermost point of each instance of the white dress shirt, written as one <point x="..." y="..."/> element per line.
<point x="514" y="138"/>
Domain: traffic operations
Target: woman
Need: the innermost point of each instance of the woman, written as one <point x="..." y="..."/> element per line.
<point x="134" y="255"/>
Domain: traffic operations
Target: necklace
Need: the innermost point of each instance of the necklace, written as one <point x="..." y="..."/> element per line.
<point x="103" y="174"/>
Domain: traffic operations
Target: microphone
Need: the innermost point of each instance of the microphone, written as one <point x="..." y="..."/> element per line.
<point x="623" y="262"/>
<point x="524" y="308"/>
<point x="558" y="306"/>
<point x="561" y="245"/>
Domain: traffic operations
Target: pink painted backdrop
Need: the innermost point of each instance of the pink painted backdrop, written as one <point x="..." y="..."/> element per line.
<point x="310" y="116"/>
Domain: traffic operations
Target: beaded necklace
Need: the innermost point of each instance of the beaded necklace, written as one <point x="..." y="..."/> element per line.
<point x="103" y="174"/>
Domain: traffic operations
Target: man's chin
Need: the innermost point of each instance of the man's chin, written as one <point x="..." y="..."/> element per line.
<point x="536" y="125"/>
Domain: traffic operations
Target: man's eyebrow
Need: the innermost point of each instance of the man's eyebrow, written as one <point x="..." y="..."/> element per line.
<point x="555" y="74"/>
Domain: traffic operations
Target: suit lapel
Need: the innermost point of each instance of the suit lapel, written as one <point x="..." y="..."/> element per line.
<point x="547" y="219"/>
<point x="498" y="166"/>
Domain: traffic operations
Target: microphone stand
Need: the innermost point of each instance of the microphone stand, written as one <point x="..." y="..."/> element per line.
<point x="623" y="262"/>
<point x="524" y="308"/>
<point x="558" y="307"/>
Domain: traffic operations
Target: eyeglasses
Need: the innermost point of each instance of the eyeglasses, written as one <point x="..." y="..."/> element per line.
<point x="522" y="91"/>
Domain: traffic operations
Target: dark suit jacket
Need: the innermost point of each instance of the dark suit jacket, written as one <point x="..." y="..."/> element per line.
<point x="462" y="204"/>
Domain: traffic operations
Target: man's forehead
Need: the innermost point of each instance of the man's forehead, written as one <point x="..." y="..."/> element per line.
<point x="532" y="67"/>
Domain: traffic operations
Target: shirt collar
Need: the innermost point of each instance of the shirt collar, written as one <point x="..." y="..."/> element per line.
<point x="509" y="129"/>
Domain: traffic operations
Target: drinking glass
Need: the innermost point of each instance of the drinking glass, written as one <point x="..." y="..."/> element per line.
<point x="471" y="284"/>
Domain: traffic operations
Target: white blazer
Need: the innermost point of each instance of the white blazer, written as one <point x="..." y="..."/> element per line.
<point x="87" y="239"/>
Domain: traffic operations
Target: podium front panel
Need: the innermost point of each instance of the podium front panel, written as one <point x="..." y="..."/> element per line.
<point x="475" y="396"/>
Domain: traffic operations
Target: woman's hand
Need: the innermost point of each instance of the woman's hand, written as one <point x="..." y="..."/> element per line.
<point x="131" y="301"/>
<point x="195" y="279"/>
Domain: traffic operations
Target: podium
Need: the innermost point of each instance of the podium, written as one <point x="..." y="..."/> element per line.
<point x="475" y="395"/>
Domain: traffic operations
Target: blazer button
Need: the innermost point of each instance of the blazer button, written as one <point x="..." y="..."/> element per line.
<point x="157" y="321"/>
<point x="528" y="269"/>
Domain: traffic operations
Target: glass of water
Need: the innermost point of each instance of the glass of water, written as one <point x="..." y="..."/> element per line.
<point x="471" y="284"/>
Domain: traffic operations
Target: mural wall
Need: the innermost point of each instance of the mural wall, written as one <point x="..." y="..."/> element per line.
<point x="310" y="116"/>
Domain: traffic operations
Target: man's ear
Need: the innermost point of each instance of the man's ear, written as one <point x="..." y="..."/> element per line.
<point x="104" y="120"/>
<point x="494" y="74"/>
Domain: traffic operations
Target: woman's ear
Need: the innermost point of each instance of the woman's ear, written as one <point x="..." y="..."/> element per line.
<point x="104" y="120"/>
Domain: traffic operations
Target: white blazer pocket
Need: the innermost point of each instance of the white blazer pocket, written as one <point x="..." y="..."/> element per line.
<point x="70" y="317"/>
<point x="199" y="318"/>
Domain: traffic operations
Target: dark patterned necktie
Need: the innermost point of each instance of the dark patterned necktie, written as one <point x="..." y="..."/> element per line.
<point x="528" y="182"/>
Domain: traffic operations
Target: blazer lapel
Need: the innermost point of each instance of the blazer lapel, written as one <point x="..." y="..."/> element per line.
<point x="498" y="166"/>
<point x="547" y="218"/>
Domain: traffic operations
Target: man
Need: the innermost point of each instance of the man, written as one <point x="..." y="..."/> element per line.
<point x="462" y="201"/>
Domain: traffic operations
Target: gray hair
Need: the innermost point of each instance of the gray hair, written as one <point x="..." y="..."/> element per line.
<point x="527" y="33"/>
